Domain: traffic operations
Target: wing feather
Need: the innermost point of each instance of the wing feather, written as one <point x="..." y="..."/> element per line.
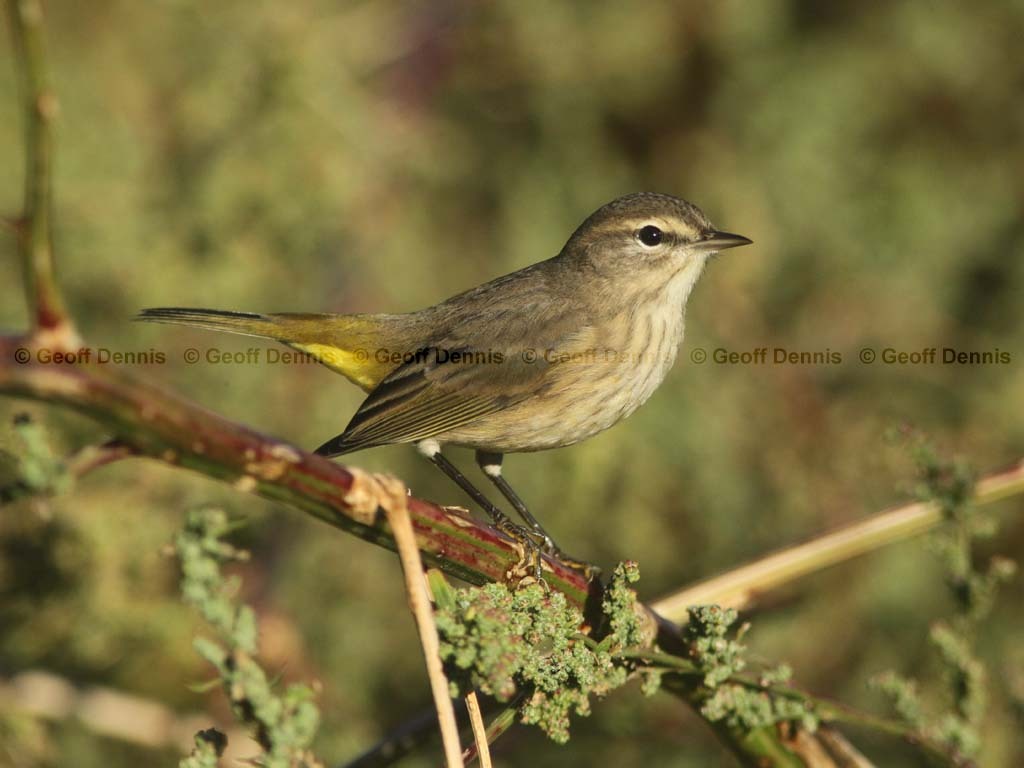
<point x="420" y="400"/>
<point x="475" y="364"/>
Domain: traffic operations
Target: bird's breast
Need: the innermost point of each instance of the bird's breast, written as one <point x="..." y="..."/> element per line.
<point x="648" y="340"/>
<point x="601" y="381"/>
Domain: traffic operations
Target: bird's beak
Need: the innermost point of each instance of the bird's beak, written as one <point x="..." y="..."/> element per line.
<point x="719" y="241"/>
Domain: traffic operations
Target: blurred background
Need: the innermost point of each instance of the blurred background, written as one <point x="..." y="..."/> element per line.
<point x="381" y="156"/>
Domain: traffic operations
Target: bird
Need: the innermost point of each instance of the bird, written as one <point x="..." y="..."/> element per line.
<point x="541" y="358"/>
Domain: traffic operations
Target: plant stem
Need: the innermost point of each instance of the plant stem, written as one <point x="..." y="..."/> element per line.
<point x="161" y="426"/>
<point x="740" y="587"/>
<point x="828" y="711"/>
<point x="423" y="612"/>
<point x="499" y="725"/>
<point x="33" y="228"/>
<point x="479" y="731"/>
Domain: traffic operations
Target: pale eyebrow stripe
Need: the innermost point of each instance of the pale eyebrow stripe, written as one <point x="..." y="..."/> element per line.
<point x="671" y="224"/>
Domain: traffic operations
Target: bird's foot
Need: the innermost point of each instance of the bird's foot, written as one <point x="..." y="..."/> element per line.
<point x="529" y="569"/>
<point x="532" y="545"/>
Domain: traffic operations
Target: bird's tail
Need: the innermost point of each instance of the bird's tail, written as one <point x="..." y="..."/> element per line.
<point x="357" y="346"/>
<point x="245" y="323"/>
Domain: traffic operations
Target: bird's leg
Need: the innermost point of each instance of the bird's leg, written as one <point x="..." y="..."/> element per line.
<point x="531" y="550"/>
<point x="490" y="464"/>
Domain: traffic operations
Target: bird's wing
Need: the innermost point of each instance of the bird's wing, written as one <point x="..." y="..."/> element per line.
<point x="437" y="391"/>
<point x="466" y="375"/>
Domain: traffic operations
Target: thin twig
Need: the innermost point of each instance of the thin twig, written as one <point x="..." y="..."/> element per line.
<point x="740" y="587"/>
<point x="840" y="749"/>
<point x="34" y="235"/>
<point x="92" y="457"/>
<point x="498" y="727"/>
<point x="401" y="740"/>
<point x="397" y="512"/>
<point x="476" y="721"/>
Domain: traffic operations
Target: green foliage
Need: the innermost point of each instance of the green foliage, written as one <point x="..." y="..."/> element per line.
<point x="719" y="658"/>
<point x="209" y="747"/>
<point x="284" y="725"/>
<point x="627" y="627"/>
<point x="23" y="740"/>
<point x="526" y="643"/>
<point x="35" y="469"/>
<point x="202" y="552"/>
<point x="950" y="484"/>
<point x="973" y="587"/>
<point x="745" y="708"/>
<point x="903" y="696"/>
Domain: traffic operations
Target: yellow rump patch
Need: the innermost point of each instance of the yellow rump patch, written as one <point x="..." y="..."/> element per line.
<point x="356" y="365"/>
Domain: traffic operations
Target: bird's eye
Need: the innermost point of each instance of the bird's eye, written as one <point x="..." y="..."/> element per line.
<point x="650" y="235"/>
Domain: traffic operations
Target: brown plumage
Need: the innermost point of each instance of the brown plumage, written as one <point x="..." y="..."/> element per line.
<point x="540" y="358"/>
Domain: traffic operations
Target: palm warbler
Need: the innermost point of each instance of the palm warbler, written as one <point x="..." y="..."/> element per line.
<point x="541" y="358"/>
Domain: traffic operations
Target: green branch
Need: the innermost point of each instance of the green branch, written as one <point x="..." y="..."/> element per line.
<point x="33" y="226"/>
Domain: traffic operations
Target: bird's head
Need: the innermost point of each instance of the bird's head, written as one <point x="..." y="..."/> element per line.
<point x="648" y="238"/>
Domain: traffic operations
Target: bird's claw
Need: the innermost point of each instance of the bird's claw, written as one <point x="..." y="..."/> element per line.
<point x="529" y="569"/>
<point x="532" y="545"/>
